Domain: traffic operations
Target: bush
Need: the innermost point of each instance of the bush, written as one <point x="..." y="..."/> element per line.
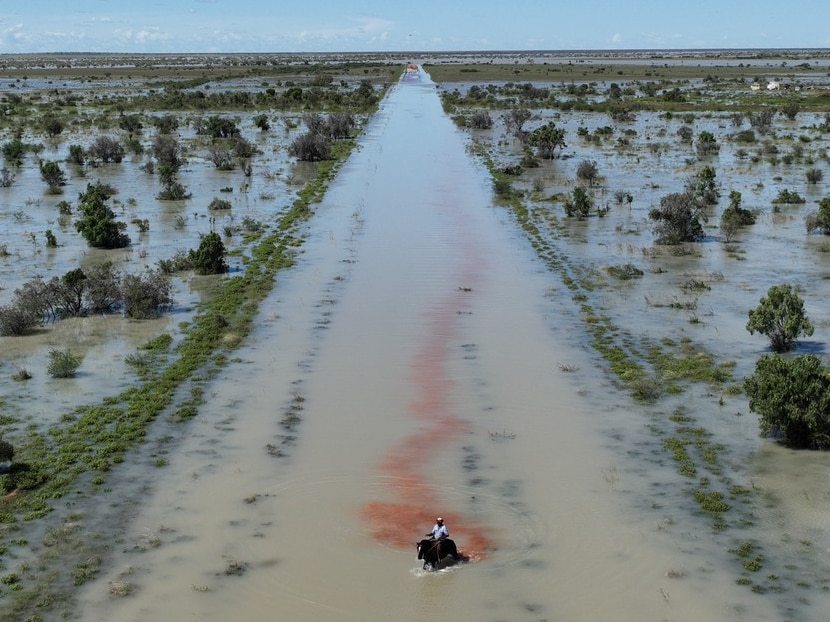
<point x="102" y="288"/>
<point x="734" y="217"/>
<point x="781" y="317"/>
<point x="481" y="120"/>
<point x="210" y="257"/>
<point x="821" y="219"/>
<point x="166" y="124"/>
<point x="792" y="399"/>
<point x="221" y="157"/>
<point x="106" y="149"/>
<point x="625" y="272"/>
<point x="219" y="204"/>
<point x="587" y="171"/>
<point x="310" y="147"/>
<point x="678" y="219"/>
<point x="6" y="451"/>
<point x="814" y="175"/>
<point x="6" y="178"/>
<point x="579" y="204"/>
<point x="52" y="174"/>
<point x="97" y="224"/>
<point x="706" y="145"/>
<point x="788" y="197"/>
<point x="340" y="125"/>
<point x="63" y="364"/>
<point x="17" y="319"/>
<point x="145" y="296"/>
<point x="217" y="127"/>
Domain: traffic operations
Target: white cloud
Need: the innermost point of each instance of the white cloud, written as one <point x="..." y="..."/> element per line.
<point x="616" y="38"/>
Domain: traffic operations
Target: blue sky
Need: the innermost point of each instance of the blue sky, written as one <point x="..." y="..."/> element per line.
<point x="391" y="25"/>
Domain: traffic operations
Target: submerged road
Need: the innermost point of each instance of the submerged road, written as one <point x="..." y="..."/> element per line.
<point x="417" y="347"/>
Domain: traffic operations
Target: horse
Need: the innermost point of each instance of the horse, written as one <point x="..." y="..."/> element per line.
<point x="438" y="553"/>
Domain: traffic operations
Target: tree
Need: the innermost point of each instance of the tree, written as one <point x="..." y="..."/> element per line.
<point x="261" y="121"/>
<point x="587" y="171"/>
<point x="547" y="139"/>
<point x="678" y="219"/>
<point x="53" y="175"/>
<point x="706" y="144"/>
<point x="791" y="109"/>
<point x="821" y="219"/>
<point x="102" y="287"/>
<point x="210" y="257"/>
<point x="218" y="127"/>
<point x="63" y="364"/>
<point x="781" y="317"/>
<point x="131" y="124"/>
<point x="6" y="451"/>
<point x="792" y="398"/>
<point x="734" y="217"/>
<point x="145" y="296"/>
<point x="481" y="120"/>
<point x="106" y="149"/>
<point x="166" y="124"/>
<point x="70" y="289"/>
<point x="167" y="152"/>
<point x="77" y="155"/>
<point x="13" y="152"/>
<point x="703" y="185"/>
<point x="52" y="125"/>
<point x="221" y="157"/>
<point x="97" y="223"/>
<point x="761" y="120"/>
<point x="6" y="178"/>
<point x="310" y="147"/>
<point x="514" y="120"/>
<point x="685" y="133"/>
<point x="814" y="175"/>
<point x="339" y="125"/>
<point x="579" y="204"/>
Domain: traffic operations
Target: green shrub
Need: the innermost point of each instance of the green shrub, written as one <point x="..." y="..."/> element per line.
<point x="63" y="364"/>
<point x="792" y="399"/>
<point x="219" y="204"/>
<point x="625" y="272"/>
<point x="6" y="451"/>
<point x="210" y="257"/>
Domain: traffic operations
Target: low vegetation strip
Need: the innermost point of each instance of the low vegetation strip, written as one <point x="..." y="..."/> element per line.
<point x="91" y="440"/>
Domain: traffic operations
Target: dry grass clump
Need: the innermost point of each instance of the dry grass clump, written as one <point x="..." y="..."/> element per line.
<point x="120" y="589"/>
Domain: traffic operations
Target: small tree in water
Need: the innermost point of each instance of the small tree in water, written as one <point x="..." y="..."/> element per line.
<point x="97" y="223"/>
<point x="210" y="258"/>
<point x="678" y="219"/>
<point x="792" y="398"/>
<point x="781" y="317"/>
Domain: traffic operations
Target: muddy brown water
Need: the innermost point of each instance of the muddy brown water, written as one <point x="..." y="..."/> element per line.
<point x="420" y="342"/>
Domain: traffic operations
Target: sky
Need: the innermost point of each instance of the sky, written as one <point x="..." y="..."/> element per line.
<point x="227" y="26"/>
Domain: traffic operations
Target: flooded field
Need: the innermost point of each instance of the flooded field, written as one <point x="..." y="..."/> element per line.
<point x="421" y="359"/>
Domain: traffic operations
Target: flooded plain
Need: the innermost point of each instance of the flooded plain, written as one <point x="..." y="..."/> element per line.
<point x="422" y="360"/>
<point x="421" y="347"/>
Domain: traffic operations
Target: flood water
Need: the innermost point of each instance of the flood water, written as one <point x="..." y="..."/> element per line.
<point x="420" y="344"/>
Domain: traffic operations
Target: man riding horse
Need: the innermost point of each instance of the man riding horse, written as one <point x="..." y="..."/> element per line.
<point x="438" y="549"/>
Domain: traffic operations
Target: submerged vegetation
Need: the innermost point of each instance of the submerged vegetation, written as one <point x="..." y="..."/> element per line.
<point x="190" y="113"/>
<point x="89" y="440"/>
<point x="709" y="107"/>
